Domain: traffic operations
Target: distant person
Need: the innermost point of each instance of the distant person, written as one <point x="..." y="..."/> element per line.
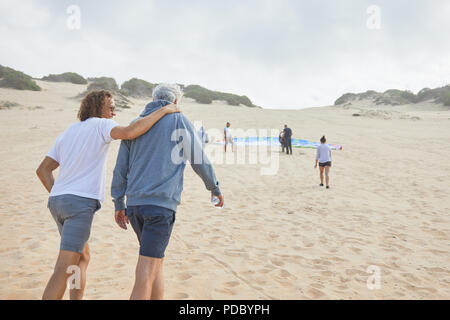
<point x="323" y="157"/>
<point x="75" y="195"/>
<point x="227" y="137"/>
<point x="203" y="136"/>
<point x="287" y="139"/>
<point x="281" y="140"/>
<point x="149" y="174"/>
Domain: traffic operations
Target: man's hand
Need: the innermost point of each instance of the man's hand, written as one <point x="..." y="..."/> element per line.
<point x="121" y="219"/>
<point x="315" y="166"/>
<point x="221" y="199"/>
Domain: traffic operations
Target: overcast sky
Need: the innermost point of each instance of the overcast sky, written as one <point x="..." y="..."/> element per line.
<point x="281" y="54"/>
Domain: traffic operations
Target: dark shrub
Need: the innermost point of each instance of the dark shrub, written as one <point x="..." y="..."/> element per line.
<point x="70" y="77"/>
<point x="11" y="78"/>
<point x="137" y="88"/>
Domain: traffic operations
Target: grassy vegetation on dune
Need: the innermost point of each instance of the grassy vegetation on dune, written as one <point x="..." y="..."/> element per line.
<point x="109" y="84"/>
<point x="7" y="105"/>
<point x="10" y="78"/>
<point x="205" y="96"/>
<point x="137" y="88"/>
<point x="70" y="77"/>
<point x="399" y="97"/>
<point x="445" y="98"/>
<point x="102" y="83"/>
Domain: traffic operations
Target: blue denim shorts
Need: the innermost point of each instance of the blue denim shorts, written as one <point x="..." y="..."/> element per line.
<point x="153" y="226"/>
<point x="73" y="216"/>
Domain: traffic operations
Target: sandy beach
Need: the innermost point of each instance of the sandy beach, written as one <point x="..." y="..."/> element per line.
<point x="281" y="236"/>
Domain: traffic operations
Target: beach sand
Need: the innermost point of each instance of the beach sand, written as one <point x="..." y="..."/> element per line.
<point x="281" y="236"/>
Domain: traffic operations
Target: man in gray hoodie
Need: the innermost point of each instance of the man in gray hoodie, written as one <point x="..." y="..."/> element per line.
<point x="149" y="172"/>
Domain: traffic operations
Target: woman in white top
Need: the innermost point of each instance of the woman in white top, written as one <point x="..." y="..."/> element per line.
<point x="80" y="153"/>
<point x="227" y="137"/>
<point x="323" y="157"/>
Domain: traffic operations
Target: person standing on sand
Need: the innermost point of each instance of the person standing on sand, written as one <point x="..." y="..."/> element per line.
<point x="227" y="137"/>
<point x="287" y="139"/>
<point x="281" y="140"/>
<point x="204" y="137"/>
<point x="80" y="153"/>
<point x="149" y="172"/>
<point x="323" y="157"/>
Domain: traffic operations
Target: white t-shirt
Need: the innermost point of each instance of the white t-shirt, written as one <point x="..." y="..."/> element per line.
<point x="323" y="153"/>
<point x="81" y="153"/>
<point x="227" y="133"/>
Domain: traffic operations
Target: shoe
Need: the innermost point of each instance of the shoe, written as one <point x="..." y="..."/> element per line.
<point x="328" y="187"/>
<point x="321" y="185"/>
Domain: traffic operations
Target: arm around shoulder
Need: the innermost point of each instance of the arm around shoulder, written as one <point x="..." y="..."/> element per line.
<point x="141" y="126"/>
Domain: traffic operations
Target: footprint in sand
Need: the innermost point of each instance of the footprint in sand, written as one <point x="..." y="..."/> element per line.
<point x="286" y="274"/>
<point x="352" y="272"/>
<point x="356" y="250"/>
<point x="317" y="286"/>
<point x="326" y="273"/>
<point x="277" y="262"/>
<point x="227" y="291"/>
<point x="264" y="271"/>
<point x="322" y="262"/>
<point x="232" y="284"/>
<point x="315" y="293"/>
<point x="34" y="245"/>
<point x="181" y="295"/>
<point x="184" y="276"/>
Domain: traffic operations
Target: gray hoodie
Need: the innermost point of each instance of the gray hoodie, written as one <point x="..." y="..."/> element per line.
<point x="149" y="170"/>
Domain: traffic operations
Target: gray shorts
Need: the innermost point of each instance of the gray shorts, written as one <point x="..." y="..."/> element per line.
<point x="73" y="216"/>
<point x="153" y="226"/>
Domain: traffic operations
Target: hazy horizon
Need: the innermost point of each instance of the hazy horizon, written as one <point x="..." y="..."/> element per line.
<point x="281" y="54"/>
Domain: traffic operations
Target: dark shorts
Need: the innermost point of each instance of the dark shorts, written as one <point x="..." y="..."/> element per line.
<point x="73" y="216"/>
<point x="153" y="226"/>
<point x="325" y="164"/>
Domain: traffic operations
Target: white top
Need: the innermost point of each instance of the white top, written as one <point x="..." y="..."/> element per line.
<point x="323" y="153"/>
<point x="227" y="132"/>
<point x="81" y="153"/>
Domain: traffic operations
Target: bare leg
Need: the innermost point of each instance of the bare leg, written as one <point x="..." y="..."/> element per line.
<point x="146" y="270"/>
<point x="327" y="176"/>
<point x="158" y="285"/>
<point x="321" y="175"/>
<point x="77" y="294"/>
<point x="57" y="284"/>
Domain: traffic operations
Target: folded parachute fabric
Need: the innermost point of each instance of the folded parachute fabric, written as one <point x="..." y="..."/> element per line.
<point x="272" y="141"/>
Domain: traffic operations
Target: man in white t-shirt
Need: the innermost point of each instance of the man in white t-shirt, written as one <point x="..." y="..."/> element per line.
<point x="227" y="136"/>
<point x="80" y="153"/>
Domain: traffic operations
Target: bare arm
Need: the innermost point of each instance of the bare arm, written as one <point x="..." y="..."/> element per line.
<point x="45" y="172"/>
<point x="141" y="126"/>
<point x="317" y="157"/>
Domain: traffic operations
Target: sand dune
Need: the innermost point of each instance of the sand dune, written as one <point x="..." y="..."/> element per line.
<point x="281" y="236"/>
